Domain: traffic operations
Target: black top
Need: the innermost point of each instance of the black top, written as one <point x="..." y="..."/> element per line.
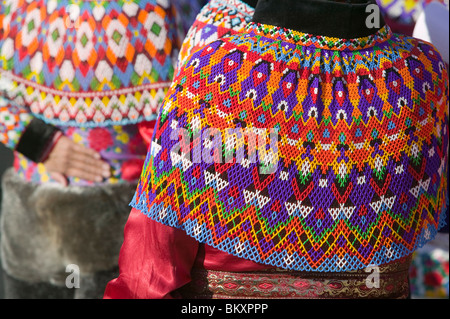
<point x="345" y="19"/>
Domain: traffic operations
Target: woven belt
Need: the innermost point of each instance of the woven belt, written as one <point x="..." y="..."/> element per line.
<point x="386" y="281"/>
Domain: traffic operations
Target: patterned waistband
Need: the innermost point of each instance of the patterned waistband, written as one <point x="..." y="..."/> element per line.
<point x="386" y="281"/>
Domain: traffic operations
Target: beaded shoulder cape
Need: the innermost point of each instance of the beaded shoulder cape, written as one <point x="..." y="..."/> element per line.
<point x="88" y="63"/>
<point x="356" y="174"/>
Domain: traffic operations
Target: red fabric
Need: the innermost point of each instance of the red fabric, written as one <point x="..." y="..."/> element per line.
<point x="155" y="260"/>
<point x="146" y="129"/>
<point x="131" y="169"/>
<point x="214" y="259"/>
<point x="398" y="27"/>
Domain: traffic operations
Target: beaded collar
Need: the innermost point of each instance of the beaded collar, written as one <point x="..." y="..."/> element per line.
<point x="321" y="42"/>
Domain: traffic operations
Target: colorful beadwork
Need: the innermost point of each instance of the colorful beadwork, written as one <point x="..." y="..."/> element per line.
<point x="362" y="130"/>
<point x="89" y="68"/>
<point x="88" y="63"/>
<point x="217" y="19"/>
<point x="13" y="120"/>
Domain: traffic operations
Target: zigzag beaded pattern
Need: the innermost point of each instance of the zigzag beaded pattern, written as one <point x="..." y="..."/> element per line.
<point x="362" y="149"/>
<point x="88" y="62"/>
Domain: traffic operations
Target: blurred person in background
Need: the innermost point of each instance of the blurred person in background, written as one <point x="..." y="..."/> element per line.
<point x="80" y="84"/>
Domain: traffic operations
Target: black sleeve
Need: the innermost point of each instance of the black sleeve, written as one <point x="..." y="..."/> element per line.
<point x="36" y="140"/>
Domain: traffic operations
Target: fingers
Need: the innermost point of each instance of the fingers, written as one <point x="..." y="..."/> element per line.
<point x="89" y="164"/>
<point x="73" y="160"/>
<point x="83" y="174"/>
<point x="80" y="149"/>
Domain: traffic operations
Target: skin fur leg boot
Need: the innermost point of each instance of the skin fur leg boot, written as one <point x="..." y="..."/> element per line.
<point x="44" y="228"/>
<point x="18" y="289"/>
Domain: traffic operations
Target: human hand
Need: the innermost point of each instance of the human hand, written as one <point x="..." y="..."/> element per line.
<point x="68" y="158"/>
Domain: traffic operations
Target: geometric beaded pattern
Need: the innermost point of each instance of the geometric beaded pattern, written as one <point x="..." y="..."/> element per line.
<point x="13" y="120"/>
<point x="362" y="152"/>
<point x="88" y="63"/>
<point x="217" y="19"/>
